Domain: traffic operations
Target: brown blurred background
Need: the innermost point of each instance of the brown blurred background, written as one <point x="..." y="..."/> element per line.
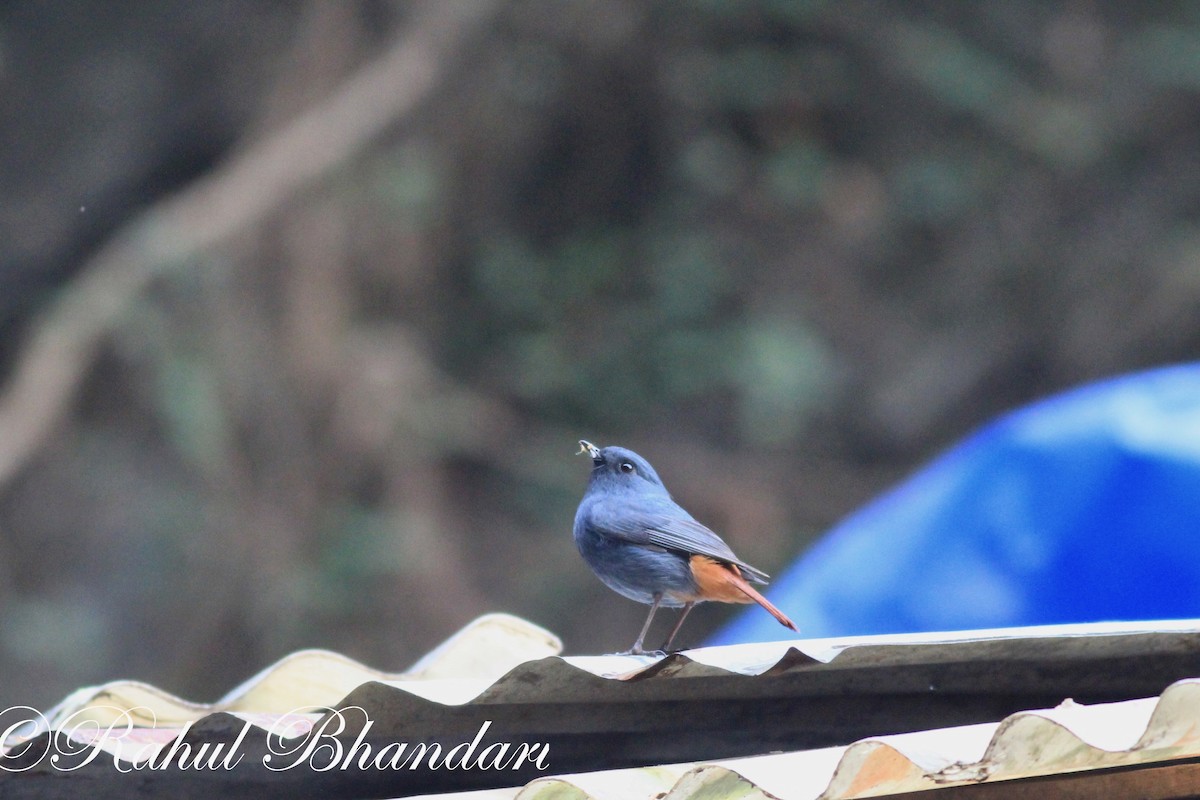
<point x="304" y="305"/>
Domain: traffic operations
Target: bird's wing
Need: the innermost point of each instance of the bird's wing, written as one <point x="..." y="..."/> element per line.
<point x="697" y="539"/>
<point x="664" y="523"/>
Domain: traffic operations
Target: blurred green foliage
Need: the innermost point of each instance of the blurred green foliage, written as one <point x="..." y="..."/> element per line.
<point x="784" y="249"/>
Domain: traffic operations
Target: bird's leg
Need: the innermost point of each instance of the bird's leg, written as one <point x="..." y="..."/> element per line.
<point x="637" y="650"/>
<point x="687" y="607"/>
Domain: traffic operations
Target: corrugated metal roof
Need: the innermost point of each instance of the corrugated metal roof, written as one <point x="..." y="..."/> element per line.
<point x="1044" y="742"/>
<point x="808" y="701"/>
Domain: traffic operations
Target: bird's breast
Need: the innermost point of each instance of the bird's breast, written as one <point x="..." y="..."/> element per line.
<point x="636" y="571"/>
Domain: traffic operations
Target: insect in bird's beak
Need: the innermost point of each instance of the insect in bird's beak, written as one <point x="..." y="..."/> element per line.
<point x="587" y="447"/>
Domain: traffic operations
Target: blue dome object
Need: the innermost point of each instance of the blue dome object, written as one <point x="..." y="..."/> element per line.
<point x="1081" y="508"/>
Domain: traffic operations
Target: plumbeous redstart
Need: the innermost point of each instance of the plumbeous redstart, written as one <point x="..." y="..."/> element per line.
<point x="645" y="546"/>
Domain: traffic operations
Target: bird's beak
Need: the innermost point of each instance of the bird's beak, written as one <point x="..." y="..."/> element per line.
<point x="587" y="447"/>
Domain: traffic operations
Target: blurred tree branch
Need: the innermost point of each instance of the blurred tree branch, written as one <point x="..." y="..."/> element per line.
<point x="253" y="183"/>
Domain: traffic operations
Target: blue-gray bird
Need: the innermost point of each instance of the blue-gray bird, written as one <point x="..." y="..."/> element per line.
<point x="645" y="546"/>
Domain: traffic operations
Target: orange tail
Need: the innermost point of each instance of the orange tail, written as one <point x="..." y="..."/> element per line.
<point x="724" y="583"/>
<point x="754" y="595"/>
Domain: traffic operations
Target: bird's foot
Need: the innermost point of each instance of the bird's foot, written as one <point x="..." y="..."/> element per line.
<point x="637" y="651"/>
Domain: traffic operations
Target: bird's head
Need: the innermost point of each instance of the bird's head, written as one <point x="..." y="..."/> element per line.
<point x="618" y="468"/>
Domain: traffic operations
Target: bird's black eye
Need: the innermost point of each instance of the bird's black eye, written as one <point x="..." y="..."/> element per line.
<point x="627" y="466"/>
